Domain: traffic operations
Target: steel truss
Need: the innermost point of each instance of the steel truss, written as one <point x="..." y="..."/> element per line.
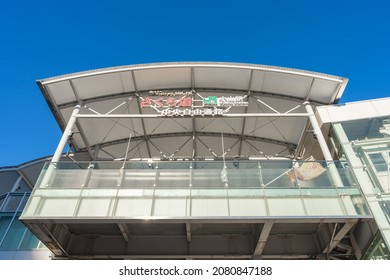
<point x="271" y="115"/>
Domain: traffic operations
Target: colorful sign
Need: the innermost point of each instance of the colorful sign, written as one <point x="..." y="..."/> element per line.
<point x="192" y="112"/>
<point x="169" y="102"/>
<point x="210" y="101"/>
<point x="230" y="101"/>
<point x="182" y="103"/>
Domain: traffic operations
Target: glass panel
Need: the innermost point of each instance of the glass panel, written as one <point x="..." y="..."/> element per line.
<point x="139" y="178"/>
<point x="196" y="188"/>
<point x="249" y="178"/>
<point x="14" y="235"/>
<point x="346" y="175"/>
<point x="104" y="178"/>
<point x="210" y="178"/>
<point x="29" y="241"/>
<point x="385" y="205"/>
<point x="324" y="206"/>
<point x="24" y="202"/>
<point x="56" y="207"/>
<point x="247" y="207"/>
<point x="68" y="178"/>
<point x="170" y="207"/>
<point x="133" y="207"/>
<point x="209" y="207"/>
<point x="5" y="219"/>
<point x="173" y="178"/>
<point x="12" y="203"/>
<point x="279" y="207"/>
<point x="374" y="128"/>
<point x="379" y="162"/>
<point x="94" y="207"/>
<point x="2" y="199"/>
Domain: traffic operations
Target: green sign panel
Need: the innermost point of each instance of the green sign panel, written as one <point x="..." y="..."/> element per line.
<point x="211" y="100"/>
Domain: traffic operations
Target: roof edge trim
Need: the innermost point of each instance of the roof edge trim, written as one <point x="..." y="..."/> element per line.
<point x="193" y="64"/>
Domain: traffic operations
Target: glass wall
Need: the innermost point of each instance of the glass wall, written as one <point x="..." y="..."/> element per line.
<point x="13" y="234"/>
<point x="366" y="145"/>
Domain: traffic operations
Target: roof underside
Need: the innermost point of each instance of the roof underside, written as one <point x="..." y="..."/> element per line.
<point x="122" y="90"/>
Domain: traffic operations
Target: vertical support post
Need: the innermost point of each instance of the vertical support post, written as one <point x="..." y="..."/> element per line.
<point x="60" y="148"/>
<point x="65" y="135"/>
<point x="318" y="132"/>
<point x="324" y="147"/>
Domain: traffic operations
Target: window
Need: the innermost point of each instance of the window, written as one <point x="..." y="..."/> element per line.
<point x="379" y="162"/>
<point x="385" y="205"/>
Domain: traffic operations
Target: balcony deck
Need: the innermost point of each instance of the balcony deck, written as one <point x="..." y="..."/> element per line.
<point x="200" y="209"/>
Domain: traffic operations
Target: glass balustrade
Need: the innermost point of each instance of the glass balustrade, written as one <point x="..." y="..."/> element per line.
<point x="180" y="189"/>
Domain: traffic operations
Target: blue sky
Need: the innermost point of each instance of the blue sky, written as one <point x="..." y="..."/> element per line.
<point x="41" y="39"/>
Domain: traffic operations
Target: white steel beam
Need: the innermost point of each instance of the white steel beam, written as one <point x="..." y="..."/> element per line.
<point x="146" y="139"/>
<point x="324" y="147"/>
<point x="231" y="115"/>
<point x="245" y="111"/>
<point x="66" y="134"/>
<point x="317" y="132"/>
<point x="193" y="117"/>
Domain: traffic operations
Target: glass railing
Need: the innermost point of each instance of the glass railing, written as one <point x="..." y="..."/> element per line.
<point x="196" y="188"/>
<point x="200" y="174"/>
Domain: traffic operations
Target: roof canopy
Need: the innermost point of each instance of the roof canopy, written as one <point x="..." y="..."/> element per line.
<point x="178" y="110"/>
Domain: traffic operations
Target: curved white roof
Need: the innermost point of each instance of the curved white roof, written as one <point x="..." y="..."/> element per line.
<point x="124" y="90"/>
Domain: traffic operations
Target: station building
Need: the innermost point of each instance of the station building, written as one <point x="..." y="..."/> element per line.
<point x="203" y="160"/>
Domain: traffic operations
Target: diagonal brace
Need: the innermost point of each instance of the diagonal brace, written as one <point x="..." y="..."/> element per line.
<point x="263" y="237"/>
<point x="338" y="237"/>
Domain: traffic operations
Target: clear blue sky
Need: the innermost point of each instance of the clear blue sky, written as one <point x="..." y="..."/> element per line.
<point x="41" y="39"/>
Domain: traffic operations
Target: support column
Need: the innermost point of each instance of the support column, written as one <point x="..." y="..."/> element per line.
<point x="65" y="135"/>
<point x="334" y="174"/>
<point x="318" y="132"/>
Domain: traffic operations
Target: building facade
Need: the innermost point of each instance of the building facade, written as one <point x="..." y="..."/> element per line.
<point x="16" y="183"/>
<point x="208" y="161"/>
